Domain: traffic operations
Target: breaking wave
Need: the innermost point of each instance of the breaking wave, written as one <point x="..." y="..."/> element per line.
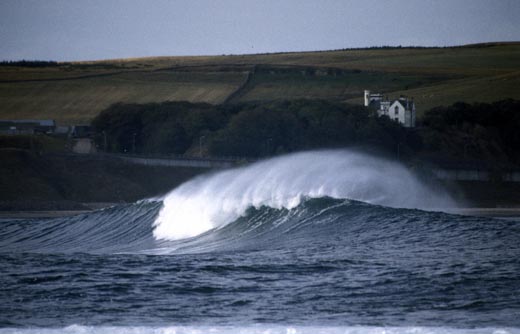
<point x="281" y="246"/>
<point x="213" y="201"/>
<point x="281" y="202"/>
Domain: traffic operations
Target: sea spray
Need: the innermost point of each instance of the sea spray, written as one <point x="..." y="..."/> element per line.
<point x="215" y="200"/>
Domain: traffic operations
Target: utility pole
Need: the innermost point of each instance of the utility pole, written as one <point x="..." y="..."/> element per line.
<point x="269" y="144"/>
<point x="105" y="141"/>
<point x="200" y="145"/>
<point x="133" y="143"/>
<point x="466" y="145"/>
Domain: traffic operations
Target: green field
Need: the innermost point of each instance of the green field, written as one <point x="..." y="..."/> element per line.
<point x="74" y="93"/>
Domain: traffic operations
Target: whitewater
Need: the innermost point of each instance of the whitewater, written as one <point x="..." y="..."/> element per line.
<point x="331" y="241"/>
<point x="212" y="201"/>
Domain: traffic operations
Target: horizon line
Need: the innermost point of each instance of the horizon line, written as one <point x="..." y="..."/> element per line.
<point x="382" y="47"/>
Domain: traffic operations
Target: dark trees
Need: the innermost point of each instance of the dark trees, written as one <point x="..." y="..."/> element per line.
<point x="249" y="129"/>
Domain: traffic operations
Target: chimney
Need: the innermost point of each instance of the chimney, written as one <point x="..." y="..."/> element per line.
<point x="367" y="98"/>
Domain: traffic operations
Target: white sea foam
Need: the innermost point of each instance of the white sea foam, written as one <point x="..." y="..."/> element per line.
<point x="257" y="329"/>
<point x="215" y="200"/>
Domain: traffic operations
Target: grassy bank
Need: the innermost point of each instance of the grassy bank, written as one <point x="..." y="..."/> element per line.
<point x="29" y="181"/>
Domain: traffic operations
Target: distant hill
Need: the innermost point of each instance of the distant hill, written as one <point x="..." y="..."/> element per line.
<point x="76" y="92"/>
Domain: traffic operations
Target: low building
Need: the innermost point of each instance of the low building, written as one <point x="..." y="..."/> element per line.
<point x="401" y="110"/>
<point x="27" y="126"/>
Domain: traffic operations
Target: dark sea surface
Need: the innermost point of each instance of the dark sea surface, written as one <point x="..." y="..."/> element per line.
<point x="288" y="245"/>
<point x="329" y="265"/>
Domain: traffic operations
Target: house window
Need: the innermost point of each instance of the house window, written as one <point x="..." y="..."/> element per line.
<point x="396" y="110"/>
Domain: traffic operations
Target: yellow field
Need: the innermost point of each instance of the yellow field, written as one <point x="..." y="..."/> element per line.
<point x="76" y="92"/>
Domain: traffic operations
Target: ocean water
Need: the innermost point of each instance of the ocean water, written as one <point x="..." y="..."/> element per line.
<point x="316" y="242"/>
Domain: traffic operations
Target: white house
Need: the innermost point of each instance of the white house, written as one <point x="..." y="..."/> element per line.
<point x="401" y="110"/>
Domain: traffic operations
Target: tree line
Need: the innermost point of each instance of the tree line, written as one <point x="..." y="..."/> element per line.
<point x="484" y="131"/>
<point x="259" y="129"/>
<point x="30" y="63"/>
<point x="247" y="129"/>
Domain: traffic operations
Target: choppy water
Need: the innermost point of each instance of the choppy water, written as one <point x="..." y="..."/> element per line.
<point x="320" y="265"/>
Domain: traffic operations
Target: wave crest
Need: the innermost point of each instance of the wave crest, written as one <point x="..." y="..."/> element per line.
<point x="215" y="200"/>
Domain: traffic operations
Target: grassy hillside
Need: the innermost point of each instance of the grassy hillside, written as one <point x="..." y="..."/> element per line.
<point x="77" y="92"/>
<point x="479" y="59"/>
<point x="275" y="83"/>
<point x="474" y="89"/>
<point x="79" y="100"/>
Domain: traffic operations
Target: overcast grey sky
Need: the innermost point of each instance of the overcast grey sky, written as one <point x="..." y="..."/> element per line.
<point x="101" y="29"/>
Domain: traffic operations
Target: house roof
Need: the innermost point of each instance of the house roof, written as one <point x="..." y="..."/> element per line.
<point x="406" y="104"/>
